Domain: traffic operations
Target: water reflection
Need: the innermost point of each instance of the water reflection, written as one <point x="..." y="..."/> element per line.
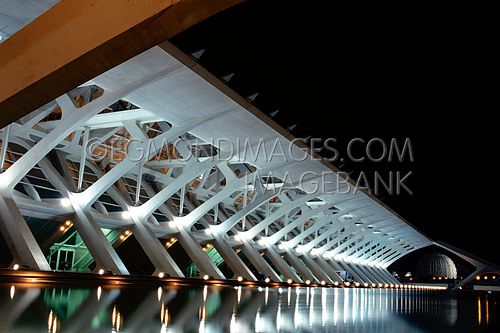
<point x="240" y="309"/>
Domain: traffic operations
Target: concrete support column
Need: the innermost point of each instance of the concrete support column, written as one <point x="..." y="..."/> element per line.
<point x="21" y="242"/>
<point x="281" y="265"/>
<point x="328" y="269"/>
<point x="200" y="258"/>
<point x="335" y="265"/>
<point x="304" y="272"/>
<point x="155" y="251"/>
<point x="98" y="245"/>
<point x="357" y="273"/>
<point x="232" y="259"/>
<point x="369" y="274"/>
<point x="316" y="269"/>
<point x="380" y="278"/>
<point x="260" y="263"/>
<point x="388" y="276"/>
<point x="341" y="266"/>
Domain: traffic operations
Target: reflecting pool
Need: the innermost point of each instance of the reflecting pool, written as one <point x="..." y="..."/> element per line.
<point x="241" y="309"/>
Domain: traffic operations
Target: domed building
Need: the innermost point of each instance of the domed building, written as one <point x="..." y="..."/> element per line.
<point x="436" y="265"/>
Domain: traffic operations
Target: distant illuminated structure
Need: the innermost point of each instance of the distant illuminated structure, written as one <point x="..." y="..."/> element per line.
<point x="436" y="265"/>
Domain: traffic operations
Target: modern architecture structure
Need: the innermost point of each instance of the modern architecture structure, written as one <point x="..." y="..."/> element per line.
<point x="435" y="265"/>
<point x="159" y="149"/>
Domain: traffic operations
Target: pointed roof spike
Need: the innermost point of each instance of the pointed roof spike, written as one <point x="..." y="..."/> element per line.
<point x="274" y="113"/>
<point x="228" y="77"/>
<point x="197" y="55"/>
<point x="253" y="97"/>
<point x="306" y="139"/>
<point x="291" y="127"/>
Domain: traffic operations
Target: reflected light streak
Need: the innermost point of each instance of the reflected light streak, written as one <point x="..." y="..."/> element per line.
<point x="205" y="293"/>
<point x="487" y="310"/>
<point x="479" y="319"/>
<point x="159" y="292"/>
<point x="311" y="308"/>
<point x="233" y="326"/>
<point x="296" y="318"/>
<point x="278" y="317"/>
<point x="354" y="305"/>
<point x="335" y="306"/>
<point x="53" y="323"/>
<point x="202" y="314"/>
<point x="362" y="307"/>
<point x="324" y="312"/>
<point x="164" y="316"/>
<point x="346" y="305"/>
<point x="116" y="320"/>
<point x="258" y="322"/>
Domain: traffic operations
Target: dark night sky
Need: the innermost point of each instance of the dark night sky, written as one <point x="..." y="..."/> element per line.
<point x="344" y="70"/>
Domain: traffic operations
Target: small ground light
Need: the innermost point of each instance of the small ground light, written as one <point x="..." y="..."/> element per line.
<point x="122" y="237"/>
<point x="336" y="283"/>
<point x="486" y="278"/>
<point x="289" y="281"/>
<point x="240" y="279"/>
<point x="161" y="275"/>
<point x="15" y="267"/>
<point x="347" y="283"/>
<point x="308" y="282"/>
<point x="356" y="284"/>
<point x="62" y="228"/>
<point x="380" y="285"/>
<point x="267" y="280"/>
<point x="365" y="284"/>
<point x="67" y="223"/>
<point x="478" y="277"/>
<point x="206" y="277"/>
<point x="127" y="232"/>
<point x="322" y="282"/>
<point x="101" y="271"/>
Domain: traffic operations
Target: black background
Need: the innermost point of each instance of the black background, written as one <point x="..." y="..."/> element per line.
<point x="343" y="69"/>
